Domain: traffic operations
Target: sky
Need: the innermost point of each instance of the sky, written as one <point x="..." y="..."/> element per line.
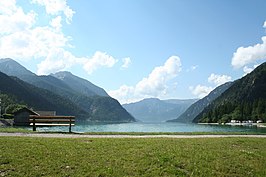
<point x="136" y="49"/>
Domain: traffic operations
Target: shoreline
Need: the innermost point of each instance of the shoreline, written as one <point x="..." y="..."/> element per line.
<point x="236" y="124"/>
<point x="59" y="135"/>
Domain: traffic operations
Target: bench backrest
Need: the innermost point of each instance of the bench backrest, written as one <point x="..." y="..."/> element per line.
<point x="51" y="121"/>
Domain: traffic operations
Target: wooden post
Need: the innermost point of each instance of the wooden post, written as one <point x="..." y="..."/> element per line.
<point x="34" y="126"/>
<point x="70" y="125"/>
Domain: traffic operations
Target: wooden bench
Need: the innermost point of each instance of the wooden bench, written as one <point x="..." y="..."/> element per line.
<point x="51" y="121"/>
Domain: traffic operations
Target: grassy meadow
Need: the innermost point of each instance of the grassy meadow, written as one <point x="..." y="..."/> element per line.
<point x="25" y="156"/>
<point x="14" y="130"/>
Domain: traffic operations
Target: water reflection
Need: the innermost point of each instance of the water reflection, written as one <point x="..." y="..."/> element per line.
<point x="154" y="127"/>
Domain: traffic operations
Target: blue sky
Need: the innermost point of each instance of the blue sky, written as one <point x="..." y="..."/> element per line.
<point x="137" y="49"/>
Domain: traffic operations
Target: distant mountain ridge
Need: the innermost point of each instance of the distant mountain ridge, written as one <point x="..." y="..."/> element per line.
<point x="195" y="109"/>
<point x="77" y="90"/>
<point x="156" y="110"/>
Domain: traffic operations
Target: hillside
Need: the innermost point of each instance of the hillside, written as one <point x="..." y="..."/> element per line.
<point x="82" y="97"/>
<point x="12" y="68"/>
<point x="79" y="85"/>
<point x="195" y="109"/>
<point x="37" y="98"/>
<point x="156" y="110"/>
<point x="244" y="100"/>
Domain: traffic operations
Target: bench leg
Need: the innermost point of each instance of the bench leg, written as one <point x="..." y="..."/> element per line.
<point x="70" y="126"/>
<point x="34" y="126"/>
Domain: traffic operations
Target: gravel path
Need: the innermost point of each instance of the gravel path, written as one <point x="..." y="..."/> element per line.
<point x="58" y="135"/>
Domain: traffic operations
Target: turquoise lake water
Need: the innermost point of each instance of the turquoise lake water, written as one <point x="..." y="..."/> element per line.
<point x="154" y="127"/>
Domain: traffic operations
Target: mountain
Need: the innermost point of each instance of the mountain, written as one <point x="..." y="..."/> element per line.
<point x="244" y="100"/>
<point x="13" y="68"/>
<point x="37" y="98"/>
<point x="156" y="110"/>
<point x="190" y="114"/>
<point x="74" y="89"/>
<point x="79" y="85"/>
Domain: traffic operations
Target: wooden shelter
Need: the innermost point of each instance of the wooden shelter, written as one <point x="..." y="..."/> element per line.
<point x="22" y="117"/>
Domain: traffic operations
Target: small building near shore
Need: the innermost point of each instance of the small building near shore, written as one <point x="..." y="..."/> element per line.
<point x="235" y="121"/>
<point x="22" y="116"/>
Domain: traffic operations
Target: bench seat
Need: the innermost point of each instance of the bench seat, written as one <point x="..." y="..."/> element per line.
<point x="43" y="124"/>
<point x="36" y="120"/>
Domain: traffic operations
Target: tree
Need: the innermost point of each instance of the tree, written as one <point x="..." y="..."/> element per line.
<point x="12" y="108"/>
<point x="5" y="101"/>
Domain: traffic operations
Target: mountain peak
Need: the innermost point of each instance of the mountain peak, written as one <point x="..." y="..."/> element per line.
<point x="62" y="74"/>
<point x="151" y="99"/>
<point x="13" y="68"/>
<point x="2" y="60"/>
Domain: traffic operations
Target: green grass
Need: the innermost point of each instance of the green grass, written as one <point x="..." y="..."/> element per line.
<point x="174" y="133"/>
<point x="13" y="130"/>
<point x="21" y="156"/>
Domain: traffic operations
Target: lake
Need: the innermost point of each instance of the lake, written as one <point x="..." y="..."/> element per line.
<point x="154" y="127"/>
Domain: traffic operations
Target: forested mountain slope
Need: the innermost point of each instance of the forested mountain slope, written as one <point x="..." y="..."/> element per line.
<point x="244" y="100"/>
<point x="37" y="98"/>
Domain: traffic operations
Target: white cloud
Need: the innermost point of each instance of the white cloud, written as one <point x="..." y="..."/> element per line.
<point x="21" y="39"/>
<point x="99" y="59"/>
<point x="246" y="55"/>
<point x="219" y="79"/>
<point x="248" y="70"/>
<point x="60" y="59"/>
<point x="8" y="7"/>
<point x="56" y="23"/>
<point x="251" y="54"/>
<point x="55" y="7"/>
<point x="200" y="91"/>
<point x="126" y="62"/>
<point x="56" y="60"/>
<point x="32" y="43"/>
<point x="155" y="85"/>
<point x="15" y="20"/>
<point x="125" y="94"/>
